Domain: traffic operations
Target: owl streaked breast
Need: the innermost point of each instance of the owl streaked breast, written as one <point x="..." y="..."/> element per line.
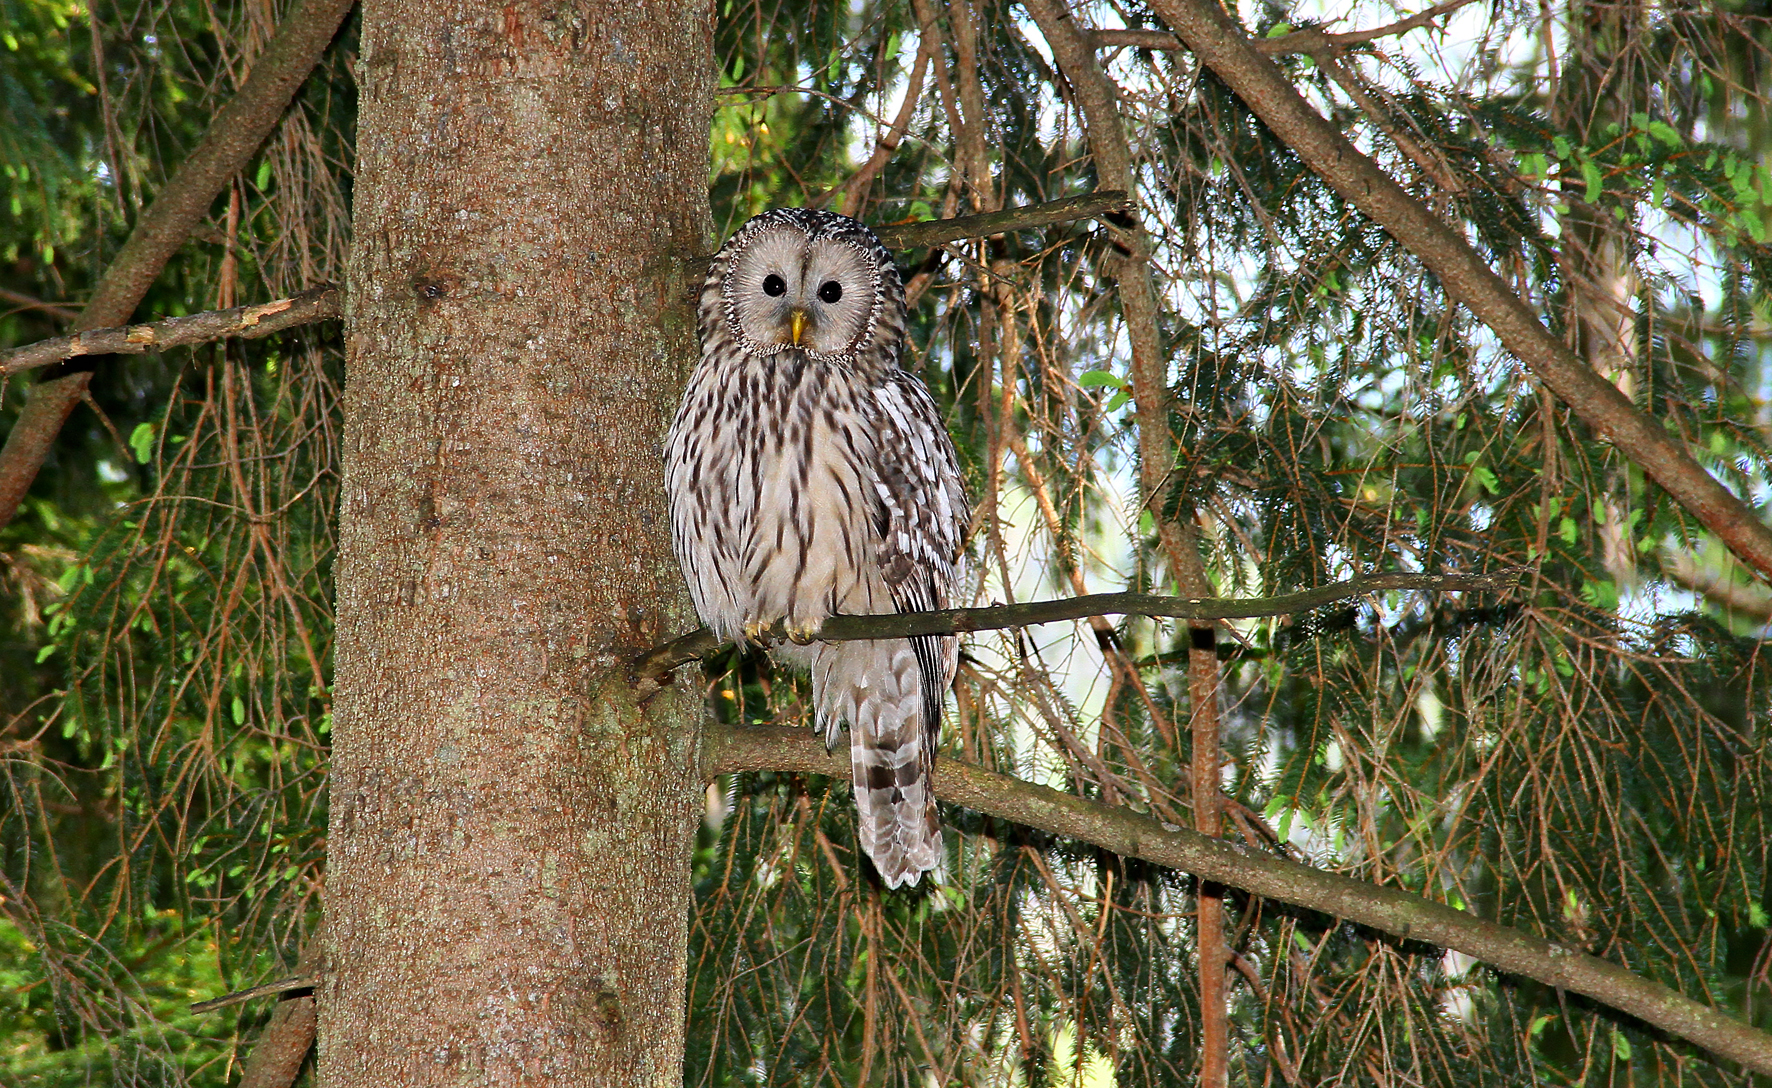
<point x="810" y="475"/>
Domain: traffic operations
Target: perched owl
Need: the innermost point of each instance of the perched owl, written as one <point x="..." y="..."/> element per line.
<point x="809" y="475"/>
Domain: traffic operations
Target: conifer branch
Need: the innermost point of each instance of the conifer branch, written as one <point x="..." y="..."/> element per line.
<point x="269" y="989"/>
<point x="657" y="662"/>
<point x="1026" y="217"/>
<point x="260" y="319"/>
<point x="326" y="302"/>
<point x="1308" y="40"/>
<point x="226" y="147"/>
<point x="1222" y="45"/>
<point x="727" y="749"/>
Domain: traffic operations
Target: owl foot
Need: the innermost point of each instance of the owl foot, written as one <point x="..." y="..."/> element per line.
<point x="756" y="632"/>
<point x="801" y="636"/>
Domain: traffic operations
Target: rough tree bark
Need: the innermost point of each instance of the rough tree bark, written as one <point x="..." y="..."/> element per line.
<point x="508" y="858"/>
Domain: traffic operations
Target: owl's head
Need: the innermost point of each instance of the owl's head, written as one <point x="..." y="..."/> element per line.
<point x="813" y="280"/>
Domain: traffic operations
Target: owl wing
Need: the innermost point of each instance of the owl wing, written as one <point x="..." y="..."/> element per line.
<point x="922" y="520"/>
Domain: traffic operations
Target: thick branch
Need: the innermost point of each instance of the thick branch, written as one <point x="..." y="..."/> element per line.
<point x="226" y="147"/>
<point x="1309" y="40"/>
<point x="660" y="660"/>
<point x="1159" y="452"/>
<point x="282" y="1047"/>
<point x="1222" y="46"/>
<point x="727" y="749"/>
<point x="261" y="319"/>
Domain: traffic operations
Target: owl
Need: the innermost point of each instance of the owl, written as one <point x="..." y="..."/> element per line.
<point x="810" y="475"/>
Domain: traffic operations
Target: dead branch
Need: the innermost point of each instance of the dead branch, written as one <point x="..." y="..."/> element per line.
<point x="1222" y="46"/>
<point x="269" y="989"/>
<point x="261" y="319"/>
<point x="1028" y="216"/>
<point x="1308" y="40"/>
<point x="855" y="189"/>
<point x="228" y="144"/>
<point x="29" y="302"/>
<point x="326" y="302"/>
<point x="728" y="749"/>
<point x="657" y="662"/>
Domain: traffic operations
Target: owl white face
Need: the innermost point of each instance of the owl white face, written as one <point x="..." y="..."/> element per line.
<point x="786" y="290"/>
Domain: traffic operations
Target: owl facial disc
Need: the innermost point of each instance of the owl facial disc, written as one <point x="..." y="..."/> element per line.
<point x="789" y="289"/>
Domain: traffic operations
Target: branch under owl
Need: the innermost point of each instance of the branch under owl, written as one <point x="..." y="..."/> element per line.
<point x="657" y="663"/>
<point x="326" y="302"/>
<point x="726" y="749"/>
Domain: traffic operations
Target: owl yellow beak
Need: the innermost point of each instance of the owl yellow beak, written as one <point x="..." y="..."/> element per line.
<point x="796" y="326"/>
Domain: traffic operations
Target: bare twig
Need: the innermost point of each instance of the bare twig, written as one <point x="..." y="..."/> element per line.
<point x="727" y="749"/>
<point x="326" y="302"/>
<point x="29" y="302"/>
<point x="228" y="144"/>
<point x="261" y="319"/>
<point x="660" y="660"/>
<point x="269" y="989"/>
<point x="1028" y="216"/>
<point x="1223" y="46"/>
<point x="1309" y="40"/>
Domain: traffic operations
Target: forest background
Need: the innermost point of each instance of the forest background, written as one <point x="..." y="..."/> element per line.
<point x="1242" y="383"/>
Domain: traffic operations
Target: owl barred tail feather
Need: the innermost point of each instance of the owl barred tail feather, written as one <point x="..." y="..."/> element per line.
<point x="878" y="688"/>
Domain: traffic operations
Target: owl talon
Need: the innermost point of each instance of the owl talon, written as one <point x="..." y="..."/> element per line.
<point x="756" y="632"/>
<point x="801" y="636"/>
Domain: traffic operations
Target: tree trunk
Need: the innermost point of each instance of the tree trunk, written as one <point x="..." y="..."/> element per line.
<point x="508" y="857"/>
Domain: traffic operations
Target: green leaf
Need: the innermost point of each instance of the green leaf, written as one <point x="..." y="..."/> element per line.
<point x="239" y="711"/>
<point x="1601" y="594"/>
<point x="141" y="440"/>
<point x="1091" y="379"/>
<point x="1596" y="184"/>
<point x="1664" y="132"/>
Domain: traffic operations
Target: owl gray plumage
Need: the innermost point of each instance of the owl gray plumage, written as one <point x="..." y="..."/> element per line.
<point x="809" y="475"/>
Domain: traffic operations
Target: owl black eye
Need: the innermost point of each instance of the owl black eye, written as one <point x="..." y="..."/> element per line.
<point x="774" y="286"/>
<point x="831" y="291"/>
